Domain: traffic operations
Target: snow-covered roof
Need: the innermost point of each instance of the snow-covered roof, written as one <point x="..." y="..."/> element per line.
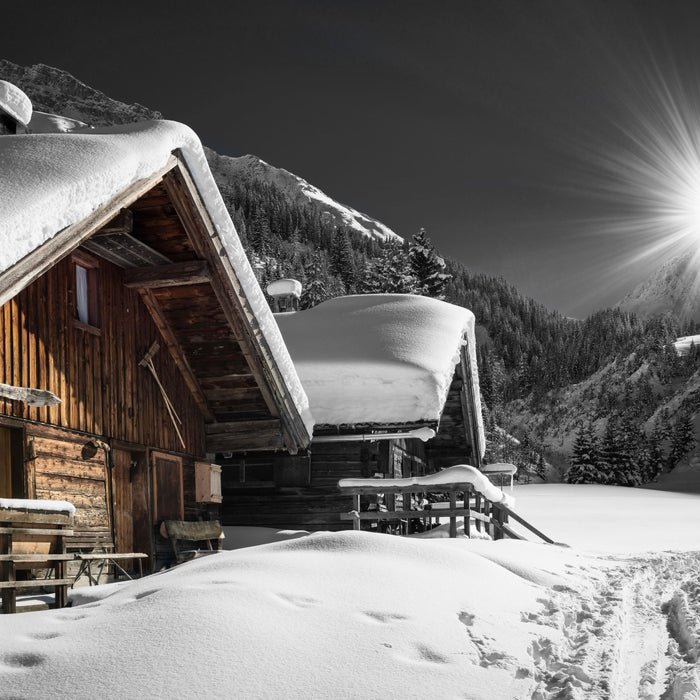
<point x="284" y="287"/>
<point x="15" y="102"/>
<point x="51" y="181"/>
<point x="379" y="358"/>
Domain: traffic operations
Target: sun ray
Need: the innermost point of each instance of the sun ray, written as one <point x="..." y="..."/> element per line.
<point x="645" y="173"/>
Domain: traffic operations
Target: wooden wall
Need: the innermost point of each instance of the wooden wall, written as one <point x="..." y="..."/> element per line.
<point x="450" y="447"/>
<point x="316" y="504"/>
<point x="60" y="467"/>
<point x="104" y="392"/>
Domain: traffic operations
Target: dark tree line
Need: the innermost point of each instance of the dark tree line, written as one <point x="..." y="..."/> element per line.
<point x="625" y="456"/>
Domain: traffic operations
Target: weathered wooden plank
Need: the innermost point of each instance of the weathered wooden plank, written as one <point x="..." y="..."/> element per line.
<point x="259" y="439"/>
<point x="35" y="516"/>
<point x="173" y="275"/>
<point x="123" y="222"/>
<point x="70" y="468"/>
<point x="35" y="531"/>
<point x="242" y="427"/>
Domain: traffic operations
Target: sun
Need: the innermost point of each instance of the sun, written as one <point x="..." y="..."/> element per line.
<point x="649" y="173"/>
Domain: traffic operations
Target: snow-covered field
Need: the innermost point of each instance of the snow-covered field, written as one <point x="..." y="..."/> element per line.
<point x="359" y="615"/>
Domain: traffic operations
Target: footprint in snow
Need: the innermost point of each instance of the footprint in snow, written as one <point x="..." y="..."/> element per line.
<point x="428" y="654"/>
<point x="43" y="636"/>
<point x="23" y="659"/>
<point x="145" y="594"/>
<point x="467" y="619"/>
<point x="384" y="617"/>
<point x="298" y="601"/>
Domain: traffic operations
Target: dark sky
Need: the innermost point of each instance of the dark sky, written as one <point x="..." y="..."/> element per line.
<point x="507" y="129"/>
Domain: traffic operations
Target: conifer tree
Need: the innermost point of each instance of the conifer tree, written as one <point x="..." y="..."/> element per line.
<point x="427" y="266"/>
<point x="315" y="289"/>
<point x="259" y="233"/>
<point x="683" y="438"/>
<point x="341" y="259"/>
<point x="585" y="459"/>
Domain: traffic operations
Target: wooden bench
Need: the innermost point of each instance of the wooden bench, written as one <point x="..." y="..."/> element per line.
<point x="192" y="533"/>
<point x="33" y="539"/>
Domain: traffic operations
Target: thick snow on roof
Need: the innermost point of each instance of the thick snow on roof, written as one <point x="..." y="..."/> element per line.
<point x="50" y="181"/>
<point x="15" y="102"/>
<point x="378" y="358"/>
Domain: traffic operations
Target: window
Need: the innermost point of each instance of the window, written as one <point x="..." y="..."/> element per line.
<point x="87" y="299"/>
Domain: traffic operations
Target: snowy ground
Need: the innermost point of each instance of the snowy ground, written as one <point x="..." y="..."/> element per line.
<point x="359" y="615"/>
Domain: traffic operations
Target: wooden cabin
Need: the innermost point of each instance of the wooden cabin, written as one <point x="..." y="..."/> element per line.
<point x="393" y="388"/>
<point x="124" y="292"/>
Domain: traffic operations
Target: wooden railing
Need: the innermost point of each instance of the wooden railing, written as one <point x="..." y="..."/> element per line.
<point x="406" y="501"/>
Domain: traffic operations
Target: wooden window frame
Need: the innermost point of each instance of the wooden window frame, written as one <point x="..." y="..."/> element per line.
<point x="92" y="267"/>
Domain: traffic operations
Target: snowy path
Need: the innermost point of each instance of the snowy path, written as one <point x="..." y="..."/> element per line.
<point x="636" y="636"/>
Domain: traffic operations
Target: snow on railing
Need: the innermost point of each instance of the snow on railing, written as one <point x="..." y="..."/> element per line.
<point x="484" y="503"/>
<point x="452" y="476"/>
<point x="481" y="500"/>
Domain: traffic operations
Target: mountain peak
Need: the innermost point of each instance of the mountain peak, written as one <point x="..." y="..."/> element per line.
<point x="674" y="288"/>
<point x="298" y="190"/>
<point x="56" y="91"/>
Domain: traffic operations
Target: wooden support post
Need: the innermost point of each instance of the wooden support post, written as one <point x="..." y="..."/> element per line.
<point x="497" y="518"/>
<point x="477" y="507"/>
<point x="467" y="517"/>
<point x="453" y="518"/>
<point x="356" y="508"/>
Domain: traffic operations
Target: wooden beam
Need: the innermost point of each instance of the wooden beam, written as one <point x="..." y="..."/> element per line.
<point x="233" y="394"/>
<point x="240" y="427"/>
<point x="176" y="352"/>
<point x="173" y="275"/>
<point x="123" y="222"/>
<point x="244" y="436"/>
<point x="36" y="263"/>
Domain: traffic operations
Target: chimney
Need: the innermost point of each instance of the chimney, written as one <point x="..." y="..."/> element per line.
<point x="15" y="109"/>
<point x="285" y="295"/>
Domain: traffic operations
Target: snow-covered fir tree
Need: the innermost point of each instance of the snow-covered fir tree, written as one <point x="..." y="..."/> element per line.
<point x="342" y="261"/>
<point x="427" y="266"/>
<point x="682" y="438"/>
<point x="314" y="284"/>
<point x="585" y="459"/>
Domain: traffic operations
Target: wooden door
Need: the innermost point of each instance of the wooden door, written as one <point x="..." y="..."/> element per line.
<point x="168" y="497"/>
<point x="11" y="464"/>
<point x="131" y="498"/>
<point x="5" y="464"/>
